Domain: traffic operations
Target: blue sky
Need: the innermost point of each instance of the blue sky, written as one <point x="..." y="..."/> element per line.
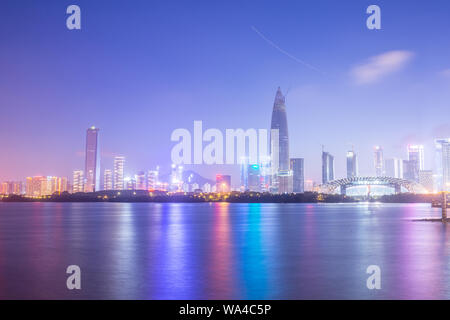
<point x="140" y="69"/>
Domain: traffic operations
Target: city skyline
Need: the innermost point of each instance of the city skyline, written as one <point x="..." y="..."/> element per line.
<point x="151" y="88"/>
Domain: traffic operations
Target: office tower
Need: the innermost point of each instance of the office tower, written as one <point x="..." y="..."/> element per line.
<point x="244" y="173"/>
<point x="393" y="168"/>
<point x="279" y="146"/>
<point x="352" y="164"/>
<point x="78" y="181"/>
<point x="223" y="183"/>
<point x="92" y="167"/>
<point x="298" y="175"/>
<point x="107" y="180"/>
<point x="118" y="182"/>
<point x="415" y="153"/>
<point x="254" y="183"/>
<point x="152" y="179"/>
<point x="379" y="161"/>
<point x="443" y="164"/>
<point x="141" y="183"/>
<point x="426" y="180"/>
<point x="410" y="170"/>
<point x="327" y="167"/>
<point x="266" y="173"/>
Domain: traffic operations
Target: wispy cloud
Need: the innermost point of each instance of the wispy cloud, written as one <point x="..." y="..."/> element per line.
<point x="378" y="67"/>
<point x="285" y="52"/>
<point x="445" y="73"/>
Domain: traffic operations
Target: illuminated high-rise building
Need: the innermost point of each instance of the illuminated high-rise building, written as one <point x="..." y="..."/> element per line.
<point x="141" y="181"/>
<point x="393" y="168"/>
<point x="62" y="185"/>
<point x="352" y="164"/>
<point x="52" y="185"/>
<point x="153" y="179"/>
<point x="416" y="153"/>
<point x="415" y="162"/>
<point x="78" y="181"/>
<point x="29" y="186"/>
<point x="223" y="183"/>
<point x="36" y="186"/>
<point x="254" y="178"/>
<point x="266" y="173"/>
<point x="4" y="188"/>
<point x="118" y="179"/>
<point x="107" y="180"/>
<point x="379" y="161"/>
<point x="443" y="164"/>
<point x="130" y="184"/>
<point x="298" y="175"/>
<point x="327" y="167"/>
<point x="279" y="146"/>
<point x="244" y="173"/>
<point x="92" y="161"/>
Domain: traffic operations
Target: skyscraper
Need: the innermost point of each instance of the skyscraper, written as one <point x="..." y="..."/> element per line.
<point x="223" y="183"/>
<point x="141" y="183"/>
<point x="298" y="176"/>
<point x="107" y="180"/>
<point x="327" y="167"/>
<point x="352" y="164"/>
<point x="244" y="173"/>
<point x="410" y="170"/>
<point x="394" y="168"/>
<point x="78" y="181"/>
<point x="152" y="179"/>
<point x="379" y="161"/>
<point x="92" y="162"/>
<point x="279" y="146"/>
<point x="118" y="179"/>
<point x="415" y="153"/>
<point x="426" y="180"/>
<point x="443" y="164"/>
<point x="254" y="178"/>
<point x="416" y="161"/>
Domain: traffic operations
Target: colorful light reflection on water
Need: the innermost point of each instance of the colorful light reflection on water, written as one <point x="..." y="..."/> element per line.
<point x="222" y="251"/>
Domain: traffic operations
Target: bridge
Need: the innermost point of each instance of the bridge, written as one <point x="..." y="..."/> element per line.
<point x="396" y="183"/>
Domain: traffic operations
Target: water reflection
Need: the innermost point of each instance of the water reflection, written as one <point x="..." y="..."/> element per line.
<point x="222" y="251"/>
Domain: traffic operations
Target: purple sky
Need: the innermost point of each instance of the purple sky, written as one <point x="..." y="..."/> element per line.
<point x="138" y="70"/>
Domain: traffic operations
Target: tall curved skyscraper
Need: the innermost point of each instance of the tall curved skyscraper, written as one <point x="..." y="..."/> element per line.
<point x="279" y="146"/>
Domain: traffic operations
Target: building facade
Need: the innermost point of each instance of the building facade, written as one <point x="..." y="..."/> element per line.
<point x="118" y="178"/>
<point x="379" y="161"/>
<point x="298" y="175"/>
<point x="279" y="147"/>
<point x="394" y="168"/>
<point x="92" y="161"/>
<point x="352" y="164"/>
<point x="327" y="167"/>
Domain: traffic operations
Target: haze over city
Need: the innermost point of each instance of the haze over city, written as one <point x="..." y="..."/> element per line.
<point x="139" y="72"/>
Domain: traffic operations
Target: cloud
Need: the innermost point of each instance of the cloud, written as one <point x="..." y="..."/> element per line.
<point x="379" y="66"/>
<point x="445" y="73"/>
